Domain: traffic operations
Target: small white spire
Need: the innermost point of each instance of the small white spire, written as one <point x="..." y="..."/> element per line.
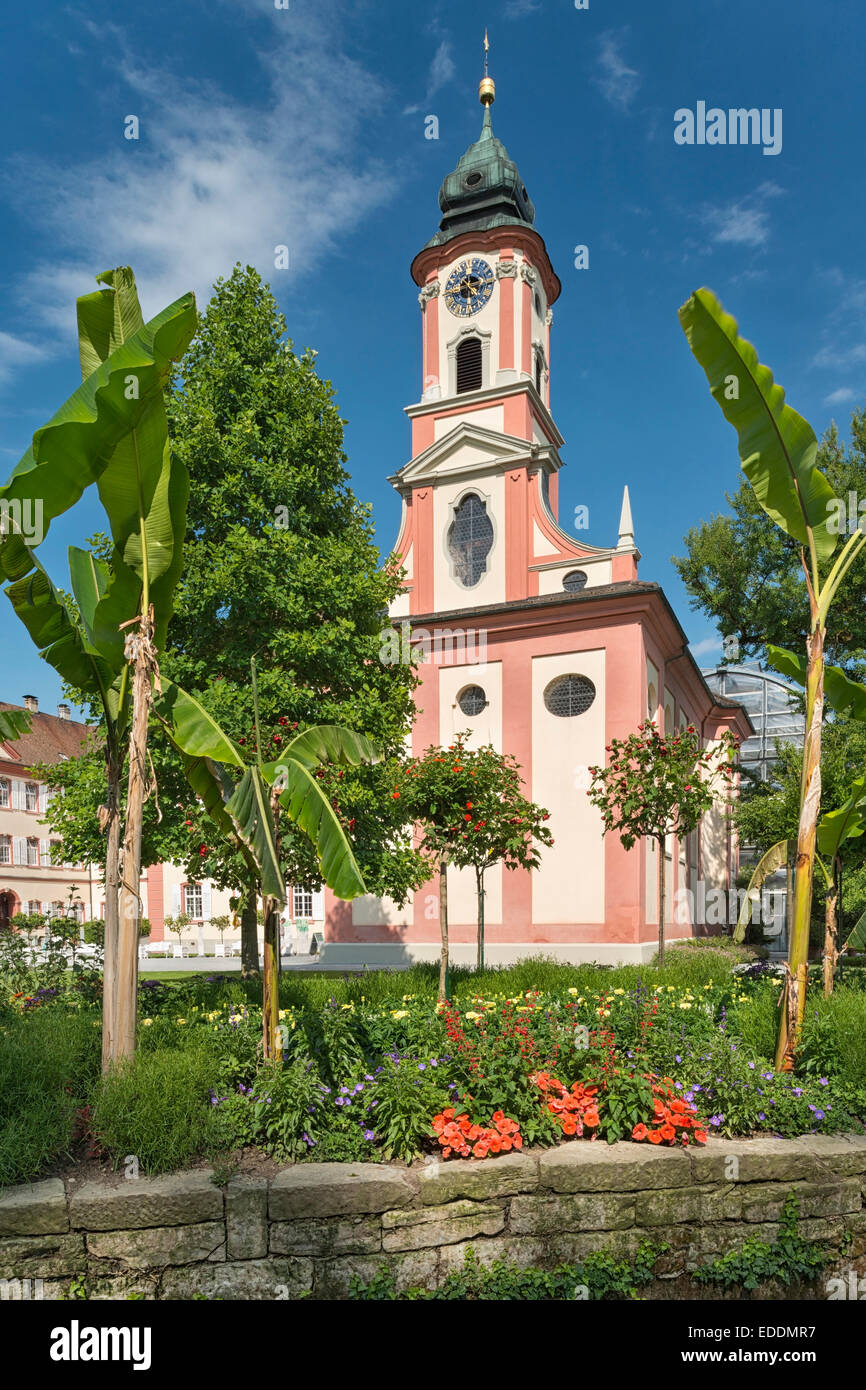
<point x="626" y="525"/>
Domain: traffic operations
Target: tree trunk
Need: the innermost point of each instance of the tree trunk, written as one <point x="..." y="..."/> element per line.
<point x="140" y="651"/>
<point x="794" y="992"/>
<point x="250" y="932"/>
<point x="443" y="928"/>
<point x="662" y="904"/>
<point x="272" y="1041"/>
<point x="112" y="911"/>
<point x="479" y="885"/>
<point x="831" y="928"/>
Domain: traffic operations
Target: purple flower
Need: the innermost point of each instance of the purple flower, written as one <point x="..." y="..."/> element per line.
<point x="369" y="1135"/>
<point x="797" y="1091"/>
<point x="819" y="1114"/>
<point x="422" y="1066"/>
<point x="762" y="1116"/>
<point x="822" y="1081"/>
<point x="678" y="1059"/>
<point x="716" y="1120"/>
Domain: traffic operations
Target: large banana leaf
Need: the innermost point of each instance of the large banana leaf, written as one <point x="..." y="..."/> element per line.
<point x="777" y="446"/>
<point x="857" y="940"/>
<point x="60" y="643"/>
<point x="212" y="784"/>
<point x="775" y="858"/>
<point x="310" y="809"/>
<point x="327" y="743"/>
<point x="143" y="490"/>
<point x="76" y="445"/>
<point x="250" y="809"/>
<point x="192" y="729"/>
<point x="848" y="822"/>
<point x="843" y="694"/>
<point x="13" y="723"/>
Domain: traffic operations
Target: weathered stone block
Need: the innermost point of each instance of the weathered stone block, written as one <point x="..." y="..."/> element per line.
<point x="590" y="1211"/>
<point x="755" y="1160"/>
<point x="281" y="1280"/>
<point x="598" y="1167"/>
<point x="246" y="1218"/>
<point x="34" y="1209"/>
<point x="155" y="1246"/>
<point x="443" y="1225"/>
<point x="40" y="1257"/>
<point x="417" y="1269"/>
<point x="180" y="1199"/>
<point x="520" y="1250"/>
<point x="844" y="1154"/>
<point x="335" y="1189"/>
<point x="119" y="1287"/>
<point x="350" y="1236"/>
<point x="441" y="1181"/>
<point x="764" y="1201"/>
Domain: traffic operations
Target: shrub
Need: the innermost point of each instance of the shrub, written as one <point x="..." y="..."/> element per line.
<point x="47" y="1060"/>
<point x="156" y="1105"/>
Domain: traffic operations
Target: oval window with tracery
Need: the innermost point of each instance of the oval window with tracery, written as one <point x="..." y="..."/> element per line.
<point x="568" y="696"/>
<point x="470" y="538"/>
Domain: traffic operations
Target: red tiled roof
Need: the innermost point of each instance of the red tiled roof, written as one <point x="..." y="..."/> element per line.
<point x="48" y="740"/>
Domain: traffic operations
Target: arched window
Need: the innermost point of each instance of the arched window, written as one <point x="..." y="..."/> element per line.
<point x="469" y="365"/>
<point x="470" y="537"/>
<point x="539" y="372"/>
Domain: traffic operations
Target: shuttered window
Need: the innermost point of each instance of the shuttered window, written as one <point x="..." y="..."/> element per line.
<point x="469" y="369"/>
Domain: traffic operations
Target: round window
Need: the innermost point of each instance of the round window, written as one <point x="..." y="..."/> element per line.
<point x="574" y="581"/>
<point x="473" y="179"/>
<point x="472" y="700"/>
<point x="569" y="695"/>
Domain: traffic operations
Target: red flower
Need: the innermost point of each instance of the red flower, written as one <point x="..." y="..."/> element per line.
<point x="639" y="1132"/>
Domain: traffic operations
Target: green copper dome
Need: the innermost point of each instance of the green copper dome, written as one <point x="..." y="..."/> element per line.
<point x="484" y="191"/>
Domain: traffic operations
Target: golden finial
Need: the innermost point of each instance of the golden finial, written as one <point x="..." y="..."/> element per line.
<point x="486" y="87"/>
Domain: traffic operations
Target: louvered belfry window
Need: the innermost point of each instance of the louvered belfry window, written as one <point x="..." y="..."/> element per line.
<point x="470" y="538"/>
<point x="469" y="373"/>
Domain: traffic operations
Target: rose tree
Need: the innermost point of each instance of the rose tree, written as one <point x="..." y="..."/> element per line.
<point x="657" y="785"/>
<point x="472" y="812"/>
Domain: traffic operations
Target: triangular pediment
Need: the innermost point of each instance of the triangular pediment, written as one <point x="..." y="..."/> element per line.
<point x="470" y="449"/>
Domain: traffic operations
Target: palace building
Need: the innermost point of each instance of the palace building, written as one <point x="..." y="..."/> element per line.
<point x="541" y="645"/>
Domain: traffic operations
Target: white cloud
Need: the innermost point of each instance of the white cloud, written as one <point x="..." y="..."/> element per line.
<point x="214" y="180"/>
<point x="442" y="70"/>
<point x="836" y="356"/>
<point x="519" y="9"/>
<point x="17" y="352"/>
<point x="707" y="647"/>
<point x="839" y="397"/>
<point x="618" y="82"/>
<point x="745" y="222"/>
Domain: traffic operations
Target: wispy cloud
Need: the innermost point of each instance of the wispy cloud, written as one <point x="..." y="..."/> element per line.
<point x="16" y="353"/>
<point x="618" y="82"/>
<point x="440" y="73"/>
<point x="213" y="180"/>
<point x="745" y="222"/>
<point x="707" y="647"/>
<point x="519" y="9"/>
<point x="840" y="397"/>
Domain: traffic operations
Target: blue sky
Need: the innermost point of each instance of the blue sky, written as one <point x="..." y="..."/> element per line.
<point x="305" y="127"/>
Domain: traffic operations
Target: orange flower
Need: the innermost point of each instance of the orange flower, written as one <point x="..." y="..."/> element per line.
<point x="701" y="1136"/>
<point x="639" y="1132"/>
<point x="668" y="1133"/>
<point x="654" y="1136"/>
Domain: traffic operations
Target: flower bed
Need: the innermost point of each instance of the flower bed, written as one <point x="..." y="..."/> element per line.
<point x="375" y="1071"/>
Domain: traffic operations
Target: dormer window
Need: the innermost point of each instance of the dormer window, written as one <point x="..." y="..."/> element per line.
<point x="470" y="539"/>
<point x="470" y="373"/>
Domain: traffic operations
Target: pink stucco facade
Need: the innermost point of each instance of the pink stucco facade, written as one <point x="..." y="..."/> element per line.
<point x="515" y="630"/>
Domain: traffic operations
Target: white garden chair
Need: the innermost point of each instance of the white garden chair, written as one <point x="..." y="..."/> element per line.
<point x="177" y="951"/>
<point x="219" y="949"/>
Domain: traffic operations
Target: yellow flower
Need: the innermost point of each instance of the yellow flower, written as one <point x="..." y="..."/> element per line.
<point x="399" y="1013"/>
<point x="180" y="1020"/>
<point x="619" y="991"/>
<point x="145" y="1022"/>
<point x="572" y="990"/>
<point x="473" y="1016"/>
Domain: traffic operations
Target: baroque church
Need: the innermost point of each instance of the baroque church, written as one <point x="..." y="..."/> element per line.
<point x="544" y="647"/>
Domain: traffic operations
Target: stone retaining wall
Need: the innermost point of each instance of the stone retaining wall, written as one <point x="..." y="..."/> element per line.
<point x="314" y="1226"/>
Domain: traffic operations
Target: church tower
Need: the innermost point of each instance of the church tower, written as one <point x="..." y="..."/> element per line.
<point x="480" y="493"/>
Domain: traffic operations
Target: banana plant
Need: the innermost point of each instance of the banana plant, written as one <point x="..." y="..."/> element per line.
<point x="249" y="810"/>
<point x="777" y="449"/>
<point x="834" y="828"/>
<point x="774" y="859"/>
<point x="13" y="723"/>
<point x="111" y="432"/>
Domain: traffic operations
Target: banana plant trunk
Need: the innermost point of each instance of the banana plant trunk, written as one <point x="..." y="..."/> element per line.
<point x="112" y="910"/>
<point x="250" y="931"/>
<point x="831" y="931"/>
<point x="142" y="654"/>
<point x="443" y="929"/>
<point x="479" y="883"/>
<point x="662" y="903"/>
<point x="272" y="1042"/>
<point x="793" y="1004"/>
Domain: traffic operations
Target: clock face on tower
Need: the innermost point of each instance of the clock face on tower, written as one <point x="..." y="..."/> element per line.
<point x="469" y="287"/>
